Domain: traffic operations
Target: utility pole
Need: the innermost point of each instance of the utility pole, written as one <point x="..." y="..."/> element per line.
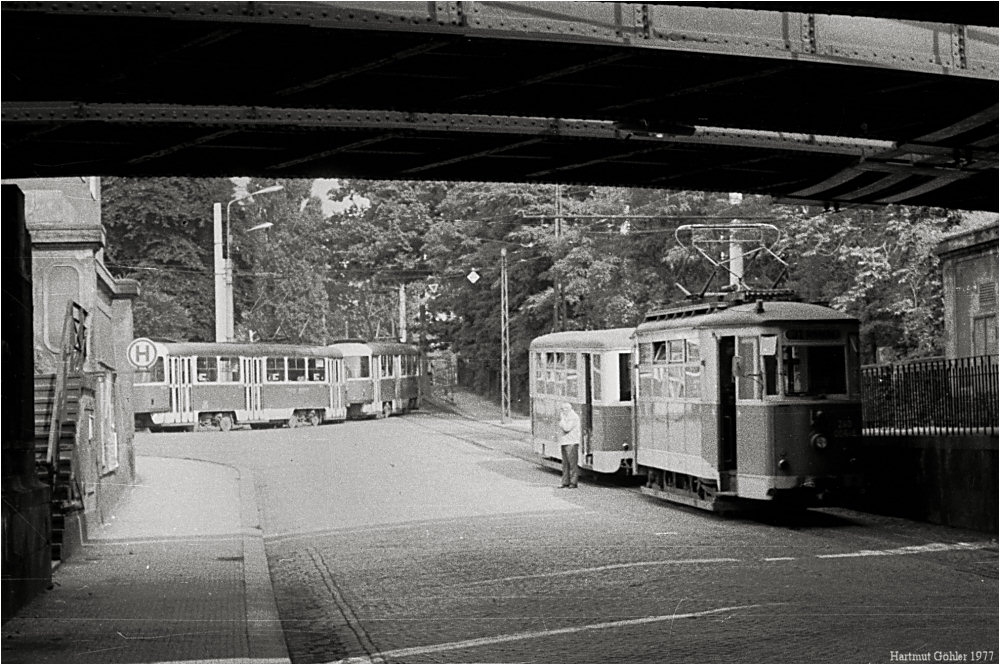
<point x="557" y="301"/>
<point x="221" y="309"/>
<point x="402" y="313"/>
<point x="504" y="341"/>
<point x="735" y="248"/>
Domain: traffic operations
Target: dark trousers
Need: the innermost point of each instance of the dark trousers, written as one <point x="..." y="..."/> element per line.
<point x="570" y="464"/>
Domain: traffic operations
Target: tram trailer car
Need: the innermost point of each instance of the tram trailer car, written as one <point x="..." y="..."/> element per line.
<point x="382" y="378"/>
<point x="747" y="400"/>
<point x="220" y="385"/>
<point x="592" y="370"/>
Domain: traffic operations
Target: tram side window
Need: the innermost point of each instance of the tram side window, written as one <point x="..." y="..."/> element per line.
<point x="571" y="375"/>
<point x="692" y="369"/>
<point x="207" y="369"/>
<point x="296" y="369"/>
<point x="749" y="378"/>
<point x="676" y="370"/>
<point x="595" y="371"/>
<point x="560" y="374"/>
<point x="386" y="366"/>
<point x="275" y="370"/>
<point x="625" y="377"/>
<point x="316" y="369"/>
<point x="814" y="370"/>
<point x="229" y="370"/>
<point x="154" y="374"/>
<point x="539" y="373"/>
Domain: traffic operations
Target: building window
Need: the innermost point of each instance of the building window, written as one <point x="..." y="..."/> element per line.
<point x="987" y="297"/>
<point x="107" y="430"/>
<point x="984" y="335"/>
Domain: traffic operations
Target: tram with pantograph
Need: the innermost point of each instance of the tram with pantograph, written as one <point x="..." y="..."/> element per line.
<point x="752" y="395"/>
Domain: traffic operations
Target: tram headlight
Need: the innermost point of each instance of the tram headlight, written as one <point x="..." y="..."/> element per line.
<point x="819" y="441"/>
<point x="626" y="446"/>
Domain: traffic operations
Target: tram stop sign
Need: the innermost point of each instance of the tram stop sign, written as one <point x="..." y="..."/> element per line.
<point x="142" y="353"/>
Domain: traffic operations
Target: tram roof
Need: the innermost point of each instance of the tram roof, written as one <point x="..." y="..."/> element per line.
<point x="604" y="340"/>
<point x="352" y="348"/>
<point x="362" y="348"/>
<point x="393" y="349"/>
<point x="246" y="349"/>
<point x="747" y="315"/>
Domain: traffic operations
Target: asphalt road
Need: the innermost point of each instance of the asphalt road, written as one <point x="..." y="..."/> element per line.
<point x="429" y="538"/>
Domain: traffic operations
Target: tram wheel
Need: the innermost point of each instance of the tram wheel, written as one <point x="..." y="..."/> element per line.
<point x="225" y="423"/>
<point x="314" y="419"/>
<point x="293" y="421"/>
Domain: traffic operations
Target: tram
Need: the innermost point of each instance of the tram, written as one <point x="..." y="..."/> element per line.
<point x="205" y="385"/>
<point x="748" y="396"/>
<point x="592" y="370"/>
<point x="381" y="378"/>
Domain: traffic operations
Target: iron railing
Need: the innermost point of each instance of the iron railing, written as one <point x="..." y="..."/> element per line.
<point x="941" y="396"/>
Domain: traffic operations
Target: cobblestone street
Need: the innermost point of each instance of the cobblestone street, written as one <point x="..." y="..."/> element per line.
<point x="430" y="538"/>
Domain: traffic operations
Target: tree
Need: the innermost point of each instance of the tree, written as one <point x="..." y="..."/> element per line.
<point x="879" y="266"/>
<point x="280" y="273"/>
<point x="159" y="231"/>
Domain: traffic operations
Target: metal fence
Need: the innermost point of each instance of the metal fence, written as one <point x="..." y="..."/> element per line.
<point x="945" y="396"/>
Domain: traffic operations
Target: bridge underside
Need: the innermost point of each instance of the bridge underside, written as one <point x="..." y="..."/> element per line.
<point x="786" y="104"/>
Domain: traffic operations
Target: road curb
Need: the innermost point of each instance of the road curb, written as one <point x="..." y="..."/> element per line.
<point x="265" y="637"/>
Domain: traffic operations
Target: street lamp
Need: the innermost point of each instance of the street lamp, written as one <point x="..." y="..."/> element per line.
<point x="224" y="264"/>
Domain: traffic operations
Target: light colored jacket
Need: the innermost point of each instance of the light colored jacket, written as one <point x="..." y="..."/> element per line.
<point x="569" y="423"/>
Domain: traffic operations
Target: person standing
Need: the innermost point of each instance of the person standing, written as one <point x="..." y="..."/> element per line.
<point x="569" y="440"/>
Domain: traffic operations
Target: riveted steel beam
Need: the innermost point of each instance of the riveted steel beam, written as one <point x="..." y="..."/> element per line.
<point x="939" y="48"/>
<point x="151" y="115"/>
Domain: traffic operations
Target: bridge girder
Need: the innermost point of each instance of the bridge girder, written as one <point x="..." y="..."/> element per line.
<point x="804" y="106"/>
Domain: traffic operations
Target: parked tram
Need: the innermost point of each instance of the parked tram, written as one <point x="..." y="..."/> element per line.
<point x="592" y="370"/>
<point x="381" y="378"/>
<point x="752" y="396"/>
<point x="222" y="385"/>
<point x="748" y="396"/>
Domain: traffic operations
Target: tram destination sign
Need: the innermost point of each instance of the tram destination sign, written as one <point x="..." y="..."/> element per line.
<point x="142" y="353"/>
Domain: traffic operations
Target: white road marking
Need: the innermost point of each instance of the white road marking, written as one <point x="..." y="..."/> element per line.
<point x="911" y="549"/>
<point x="780" y="558"/>
<point x="402" y="654"/>
<point x="597" y="569"/>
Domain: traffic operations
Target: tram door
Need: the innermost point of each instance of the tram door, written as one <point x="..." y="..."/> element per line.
<point x="179" y="377"/>
<point x="587" y="415"/>
<point x="253" y="381"/>
<point x="727" y="413"/>
<point x="333" y="372"/>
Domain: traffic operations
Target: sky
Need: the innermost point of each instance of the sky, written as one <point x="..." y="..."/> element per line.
<point x="321" y="188"/>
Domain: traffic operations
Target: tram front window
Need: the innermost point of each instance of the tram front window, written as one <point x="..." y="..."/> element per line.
<point x="356" y="367"/>
<point x="814" y="370"/>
